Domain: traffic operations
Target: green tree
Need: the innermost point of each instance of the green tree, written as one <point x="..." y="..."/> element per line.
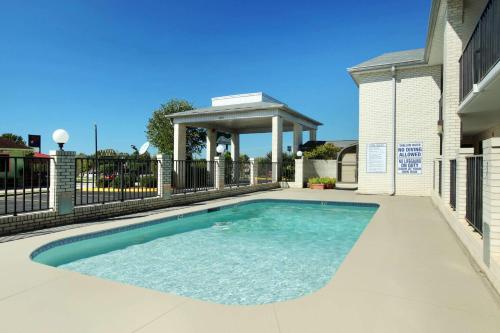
<point x="160" y="131"/>
<point x="327" y="151"/>
<point x="13" y="137"/>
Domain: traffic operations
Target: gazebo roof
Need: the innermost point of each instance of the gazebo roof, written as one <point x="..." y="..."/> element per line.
<point x="252" y="117"/>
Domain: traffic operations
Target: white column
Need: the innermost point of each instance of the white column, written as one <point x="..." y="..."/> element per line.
<point x="235" y="146"/>
<point x="211" y="143"/>
<point x="220" y="167"/>
<point x="491" y="199"/>
<point x="253" y="172"/>
<point x="452" y="51"/>
<point x="297" y="137"/>
<point x="164" y="176"/>
<point x="62" y="181"/>
<point x="462" y="181"/>
<point x="277" y="148"/>
<point x="299" y="173"/>
<point x="312" y="135"/>
<point x="179" y="142"/>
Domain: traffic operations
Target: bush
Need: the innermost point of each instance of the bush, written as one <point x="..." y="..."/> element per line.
<point x="110" y="181"/>
<point x="148" y="180"/>
<point x="322" y="180"/>
<point x="323" y="152"/>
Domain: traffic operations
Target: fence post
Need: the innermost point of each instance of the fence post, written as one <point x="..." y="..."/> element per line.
<point x="62" y="181"/>
<point x="164" y="175"/>
<point x="299" y="172"/>
<point x="220" y="168"/>
<point x="463" y="153"/>
<point x="491" y="198"/>
<point x="253" y="172"/>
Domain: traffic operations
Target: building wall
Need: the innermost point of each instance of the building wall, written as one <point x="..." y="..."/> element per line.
<point x="320" y="168"/>
<point x="375" y="126"/>
<point x="418" y="94"/>
<point x="417" y="103"/>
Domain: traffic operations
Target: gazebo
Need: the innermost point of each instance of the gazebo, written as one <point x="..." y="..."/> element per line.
<point x="243" y="114"/>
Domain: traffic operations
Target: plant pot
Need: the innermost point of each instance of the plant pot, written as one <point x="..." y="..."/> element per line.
<point x="317" y="186"/>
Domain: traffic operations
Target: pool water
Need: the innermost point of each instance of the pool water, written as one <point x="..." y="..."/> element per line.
<point x="255" y="253"/>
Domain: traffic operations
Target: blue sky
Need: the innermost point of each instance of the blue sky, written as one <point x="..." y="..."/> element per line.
<point x="70" y="64"/>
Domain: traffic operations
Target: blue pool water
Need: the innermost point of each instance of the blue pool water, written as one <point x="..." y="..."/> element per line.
<point x="254" y="253"/>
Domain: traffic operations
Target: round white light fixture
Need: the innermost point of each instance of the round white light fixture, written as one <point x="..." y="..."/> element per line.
<point x="60" y="137"/>
<point x="220" y="149"/>
<point x="299" y="154"/>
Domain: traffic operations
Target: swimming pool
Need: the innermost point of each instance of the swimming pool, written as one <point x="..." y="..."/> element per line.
<point x="256" y="252"/>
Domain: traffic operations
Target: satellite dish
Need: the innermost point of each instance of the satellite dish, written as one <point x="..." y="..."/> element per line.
<point x="144" y="148"/>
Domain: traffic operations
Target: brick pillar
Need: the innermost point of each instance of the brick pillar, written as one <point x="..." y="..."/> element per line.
<point x="452" y="51"/>
<point x="62" y="181"/>
<point x="462" y="181"/>
<point x="253" y="172"/>
<point x="164" y="175"/>
<point x="491" y="198"/>
<point x="220" y="168"/>
<point x="299" y="172"/>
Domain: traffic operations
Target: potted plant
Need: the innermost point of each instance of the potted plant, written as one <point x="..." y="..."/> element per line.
<point x="321" y="183"/>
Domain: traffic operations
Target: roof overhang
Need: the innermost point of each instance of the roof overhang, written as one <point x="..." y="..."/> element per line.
<point x="244" y="118"/>
<point x="433" y="47"/>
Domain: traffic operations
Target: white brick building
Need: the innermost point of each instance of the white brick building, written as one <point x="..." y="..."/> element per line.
<point x="443" y="103"/>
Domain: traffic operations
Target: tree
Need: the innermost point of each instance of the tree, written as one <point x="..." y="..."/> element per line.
<point x="327" y="151"/>
<point x="14" y="137"/>
<point x="160" y="131"/>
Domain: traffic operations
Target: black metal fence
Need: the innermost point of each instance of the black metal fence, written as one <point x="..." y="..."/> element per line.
<point x="114" y="179"/>
<point x="287" y="171"/>
<point x="237" y="173"/>
<point x="453" y="184"/>
<point x="483" y="49"/>
<point x="474" y="193"/>
<point x="24" y="184"/>
<point x="440" y="177"/>
<point x="264" y="172"/>
<point x="193" y="176"/>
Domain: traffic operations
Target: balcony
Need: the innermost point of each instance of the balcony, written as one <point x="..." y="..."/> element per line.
<point x="480" y="72"/>
<point x="482" y="52"/>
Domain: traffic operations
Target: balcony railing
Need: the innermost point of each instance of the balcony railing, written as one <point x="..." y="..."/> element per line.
<point x="482" y="52"/>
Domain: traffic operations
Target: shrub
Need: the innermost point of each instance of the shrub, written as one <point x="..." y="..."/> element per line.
<point x="322" y="180"/>
<point x="148" y="180"/>
<point x="110" y="181"/>
<point x="327" y="151"/>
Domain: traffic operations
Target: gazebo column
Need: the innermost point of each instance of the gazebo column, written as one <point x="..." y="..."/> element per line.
<point x="297" y="137"/>
<point x="235" y="156"/>
<point x="312" y="135"/>
<point x="211" y="146"/>
<point x="235" y="147"/>
<point x="277" y="149"/>
<point x="179" y="154"/>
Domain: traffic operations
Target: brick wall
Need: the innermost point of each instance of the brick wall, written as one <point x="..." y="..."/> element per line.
<point x="40" y="220"/>
<point x="417" y="104"/>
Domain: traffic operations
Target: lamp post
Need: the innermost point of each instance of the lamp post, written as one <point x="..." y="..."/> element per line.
<point x="60" y="137"/>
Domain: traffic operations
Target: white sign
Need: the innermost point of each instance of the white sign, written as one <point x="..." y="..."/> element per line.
<point x="376" y="158"/>
<point x="410" y="158"/>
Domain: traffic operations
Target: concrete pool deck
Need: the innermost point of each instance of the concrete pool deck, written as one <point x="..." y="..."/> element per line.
<point x="407" y="273"/>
